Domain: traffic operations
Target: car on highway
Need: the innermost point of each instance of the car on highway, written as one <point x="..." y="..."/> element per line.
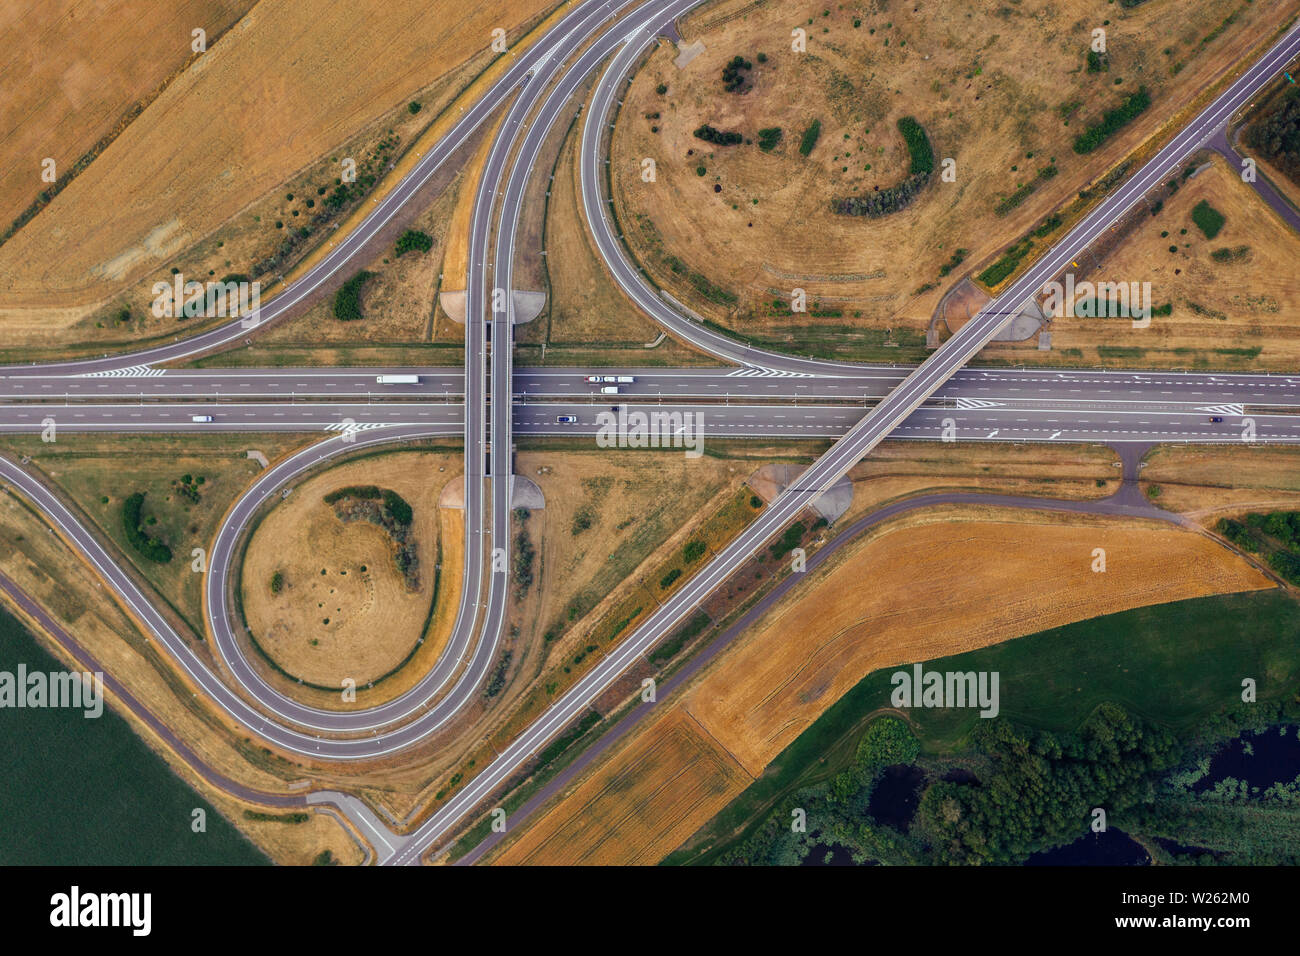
<point x="200" y="418"/>
<point x="625" y="379"/>
<point x="592" y="378"/>
<point x="397" y="379"/>
<point x="1215" y="419"/>
<point x="565" y="419"/>
<point x="609" y="390"/>
<point x="610" y="378"/>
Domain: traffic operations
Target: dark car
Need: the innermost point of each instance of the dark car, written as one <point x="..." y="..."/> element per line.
<point x="1215" y="419"/>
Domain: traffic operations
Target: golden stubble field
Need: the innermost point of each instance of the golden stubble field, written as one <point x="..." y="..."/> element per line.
<point x="942" y="582"/>
<point x="291" y="81"/>
<point x="343" y="609"/>
<point x="672" y="775"/>
<point x="73" y="70"/>
<point x="1001" y="89"/>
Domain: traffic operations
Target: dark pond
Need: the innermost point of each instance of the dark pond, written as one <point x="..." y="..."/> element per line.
<point x="1111" y="848"/>
<point x="1261" y="759"/>
<point x="896" y="795"/>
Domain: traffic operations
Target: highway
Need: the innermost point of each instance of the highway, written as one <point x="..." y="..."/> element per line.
<point x="529" y="383"/>
<point x="1020" y="420"/>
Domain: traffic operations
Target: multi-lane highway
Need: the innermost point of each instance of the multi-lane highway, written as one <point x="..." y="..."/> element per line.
<point x="1010" y="419"/>
<point x="528" y="383"/>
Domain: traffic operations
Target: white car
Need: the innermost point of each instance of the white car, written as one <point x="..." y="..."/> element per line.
<point x="610" y="378"/>
<point x="565" y="419"/>
<point x="609" y="390"/>
<point x="625" y="379"/>
<point x="200" y="418"/>
<point x="592" y="378"/>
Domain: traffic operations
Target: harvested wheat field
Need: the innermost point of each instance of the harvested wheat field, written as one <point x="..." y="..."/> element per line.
<point x="1003" y="90"/>
<point x="75" y="70"/>
<point x="1235" y="298"/>
<point x="325" y="598"/>
<point x="231" y="129"/>
<point x="939" y="589"/>
<point x="640" y="805"/>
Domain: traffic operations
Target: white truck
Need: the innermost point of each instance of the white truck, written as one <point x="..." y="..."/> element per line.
<point x="397" y="380"/>
<point x="609" y="390"/>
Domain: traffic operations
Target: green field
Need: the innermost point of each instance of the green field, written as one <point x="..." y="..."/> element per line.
<point x="1173" y="664"/>
<point x="81" y="791"/>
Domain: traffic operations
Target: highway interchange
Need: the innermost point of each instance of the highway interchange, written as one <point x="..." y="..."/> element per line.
<point x="756" y="394"/>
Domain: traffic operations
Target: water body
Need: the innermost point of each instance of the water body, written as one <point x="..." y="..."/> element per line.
<point x="1261" y="759"/>
<point x="77" y="792"/>
<point x="896" y="796"/>
<point x="1111" y="848"/>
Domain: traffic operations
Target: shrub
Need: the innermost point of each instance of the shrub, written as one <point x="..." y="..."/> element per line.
<point x="670" y="577"/>
<point x="413" y="240"/>
<point x="414" y="107"/>
<point x="882" y="203"/>
<point x="809" y="139"/>
<point x="347" y="301"/>
<point x="1208" y="219"/>
<point x="693" y="551"/>
<point x="918" y="146"/>
<point x="788" y="541"/>
<point x="398" y="507"/>
<point x="369" y="492"/>
<point x="1234" y="254"/>
<point x="277" y="582"/>
<point x="769" y="138"/>
<point x="1112" y="122"/>
<point x="151" y="548"/>
<point x="733" y="74"/>
<point x="718" y="137"/>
